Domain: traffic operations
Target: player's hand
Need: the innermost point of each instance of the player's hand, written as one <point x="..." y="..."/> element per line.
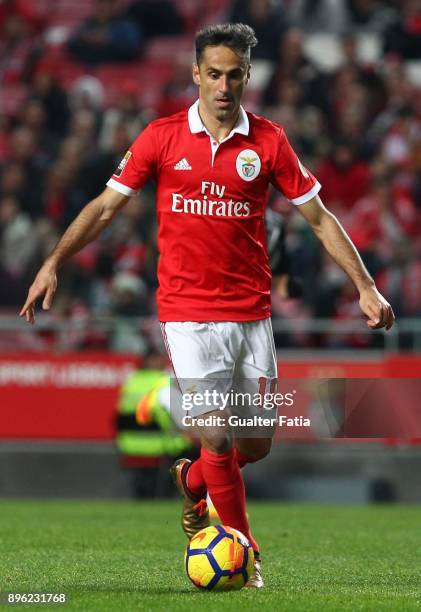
<point x="377" y="309"/>
<point x="44" y="285"/>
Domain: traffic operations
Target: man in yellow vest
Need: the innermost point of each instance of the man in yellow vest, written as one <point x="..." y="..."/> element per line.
<point x="147" y="438"/>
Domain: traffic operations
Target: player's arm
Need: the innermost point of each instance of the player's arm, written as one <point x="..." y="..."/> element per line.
<point x="338" y="244"/>
<point x="93" y="218"/>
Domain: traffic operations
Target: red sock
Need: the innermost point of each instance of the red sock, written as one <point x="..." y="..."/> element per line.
<point x="195" y="480"/>
<point x="225" y="486"/>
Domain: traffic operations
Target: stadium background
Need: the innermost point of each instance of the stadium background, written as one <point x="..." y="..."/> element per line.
<point x="343" y="77"/>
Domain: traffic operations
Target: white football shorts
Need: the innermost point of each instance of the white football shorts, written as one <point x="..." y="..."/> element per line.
<point x="225" y="357"/>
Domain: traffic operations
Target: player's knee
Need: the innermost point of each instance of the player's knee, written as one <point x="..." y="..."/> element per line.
<point x="217" y="442"/>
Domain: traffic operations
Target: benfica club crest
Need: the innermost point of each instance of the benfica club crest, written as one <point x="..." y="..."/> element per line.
<point x="248" y="165"/>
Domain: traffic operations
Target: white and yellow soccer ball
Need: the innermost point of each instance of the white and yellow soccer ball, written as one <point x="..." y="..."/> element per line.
<point x="219" y="558"/>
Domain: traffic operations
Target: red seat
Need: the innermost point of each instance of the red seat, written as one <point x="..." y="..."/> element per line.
<point x="149" y="77"/>
<point x="167" y="48"/>
<point x="69" y="12"/>
<point x="12" y="97"/>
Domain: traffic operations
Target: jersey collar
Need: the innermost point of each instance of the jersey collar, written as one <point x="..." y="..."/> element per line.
<point x="196" y="124"/>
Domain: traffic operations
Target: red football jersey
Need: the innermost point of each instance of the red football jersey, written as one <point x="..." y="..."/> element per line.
<point x="211" y="199"/>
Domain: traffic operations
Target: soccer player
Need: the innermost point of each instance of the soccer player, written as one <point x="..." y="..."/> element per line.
<point x="213" y="165"/>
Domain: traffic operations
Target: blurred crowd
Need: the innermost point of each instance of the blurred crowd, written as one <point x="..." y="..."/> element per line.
<point x="356" y="126"/>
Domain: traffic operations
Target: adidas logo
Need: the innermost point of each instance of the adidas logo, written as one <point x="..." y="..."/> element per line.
<point x="183" y="164"/>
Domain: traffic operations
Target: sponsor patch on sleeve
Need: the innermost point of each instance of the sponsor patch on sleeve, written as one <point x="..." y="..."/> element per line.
<point x="122" y="164"/>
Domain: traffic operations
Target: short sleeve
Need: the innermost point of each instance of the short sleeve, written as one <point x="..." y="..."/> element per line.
<point x="290" y="177"/>
<point x="137" y="166"/>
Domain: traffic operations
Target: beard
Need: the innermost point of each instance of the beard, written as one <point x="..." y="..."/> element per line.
<point x="223" y="114"/>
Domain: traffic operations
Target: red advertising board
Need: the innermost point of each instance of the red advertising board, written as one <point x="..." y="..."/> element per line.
<point x="73" y="396"/>
<point x="69" y="396"/>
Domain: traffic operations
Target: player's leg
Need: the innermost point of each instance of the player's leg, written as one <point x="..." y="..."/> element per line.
<point x="224" y="482"/>
<point x="217" y="471"/>
<point x="208" y="354"/>
<point x="256" y="374"/>
<point x="218" y="466"/>
<point x="199" y="363"/>
<point x="250" y="450"/>
<point x="253" y="346"/>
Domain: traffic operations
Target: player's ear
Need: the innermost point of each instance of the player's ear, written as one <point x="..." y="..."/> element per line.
<point x="248" y="73"/>
<point x="196" y="74"/>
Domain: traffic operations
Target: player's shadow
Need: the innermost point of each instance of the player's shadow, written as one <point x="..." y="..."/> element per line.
<point x="143" y="590"/>
<point x="131" y="589"/>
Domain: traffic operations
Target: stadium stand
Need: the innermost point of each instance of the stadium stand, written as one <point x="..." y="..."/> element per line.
<point x="347" y="97"/>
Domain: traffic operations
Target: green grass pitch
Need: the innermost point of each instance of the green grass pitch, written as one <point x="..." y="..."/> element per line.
<point x="123" y="557"/>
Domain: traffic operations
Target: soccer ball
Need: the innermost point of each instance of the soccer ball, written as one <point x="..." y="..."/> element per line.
<point x="219" y="558"/>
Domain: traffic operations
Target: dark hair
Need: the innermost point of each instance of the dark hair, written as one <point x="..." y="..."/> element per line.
<point x="237" y="36"/>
